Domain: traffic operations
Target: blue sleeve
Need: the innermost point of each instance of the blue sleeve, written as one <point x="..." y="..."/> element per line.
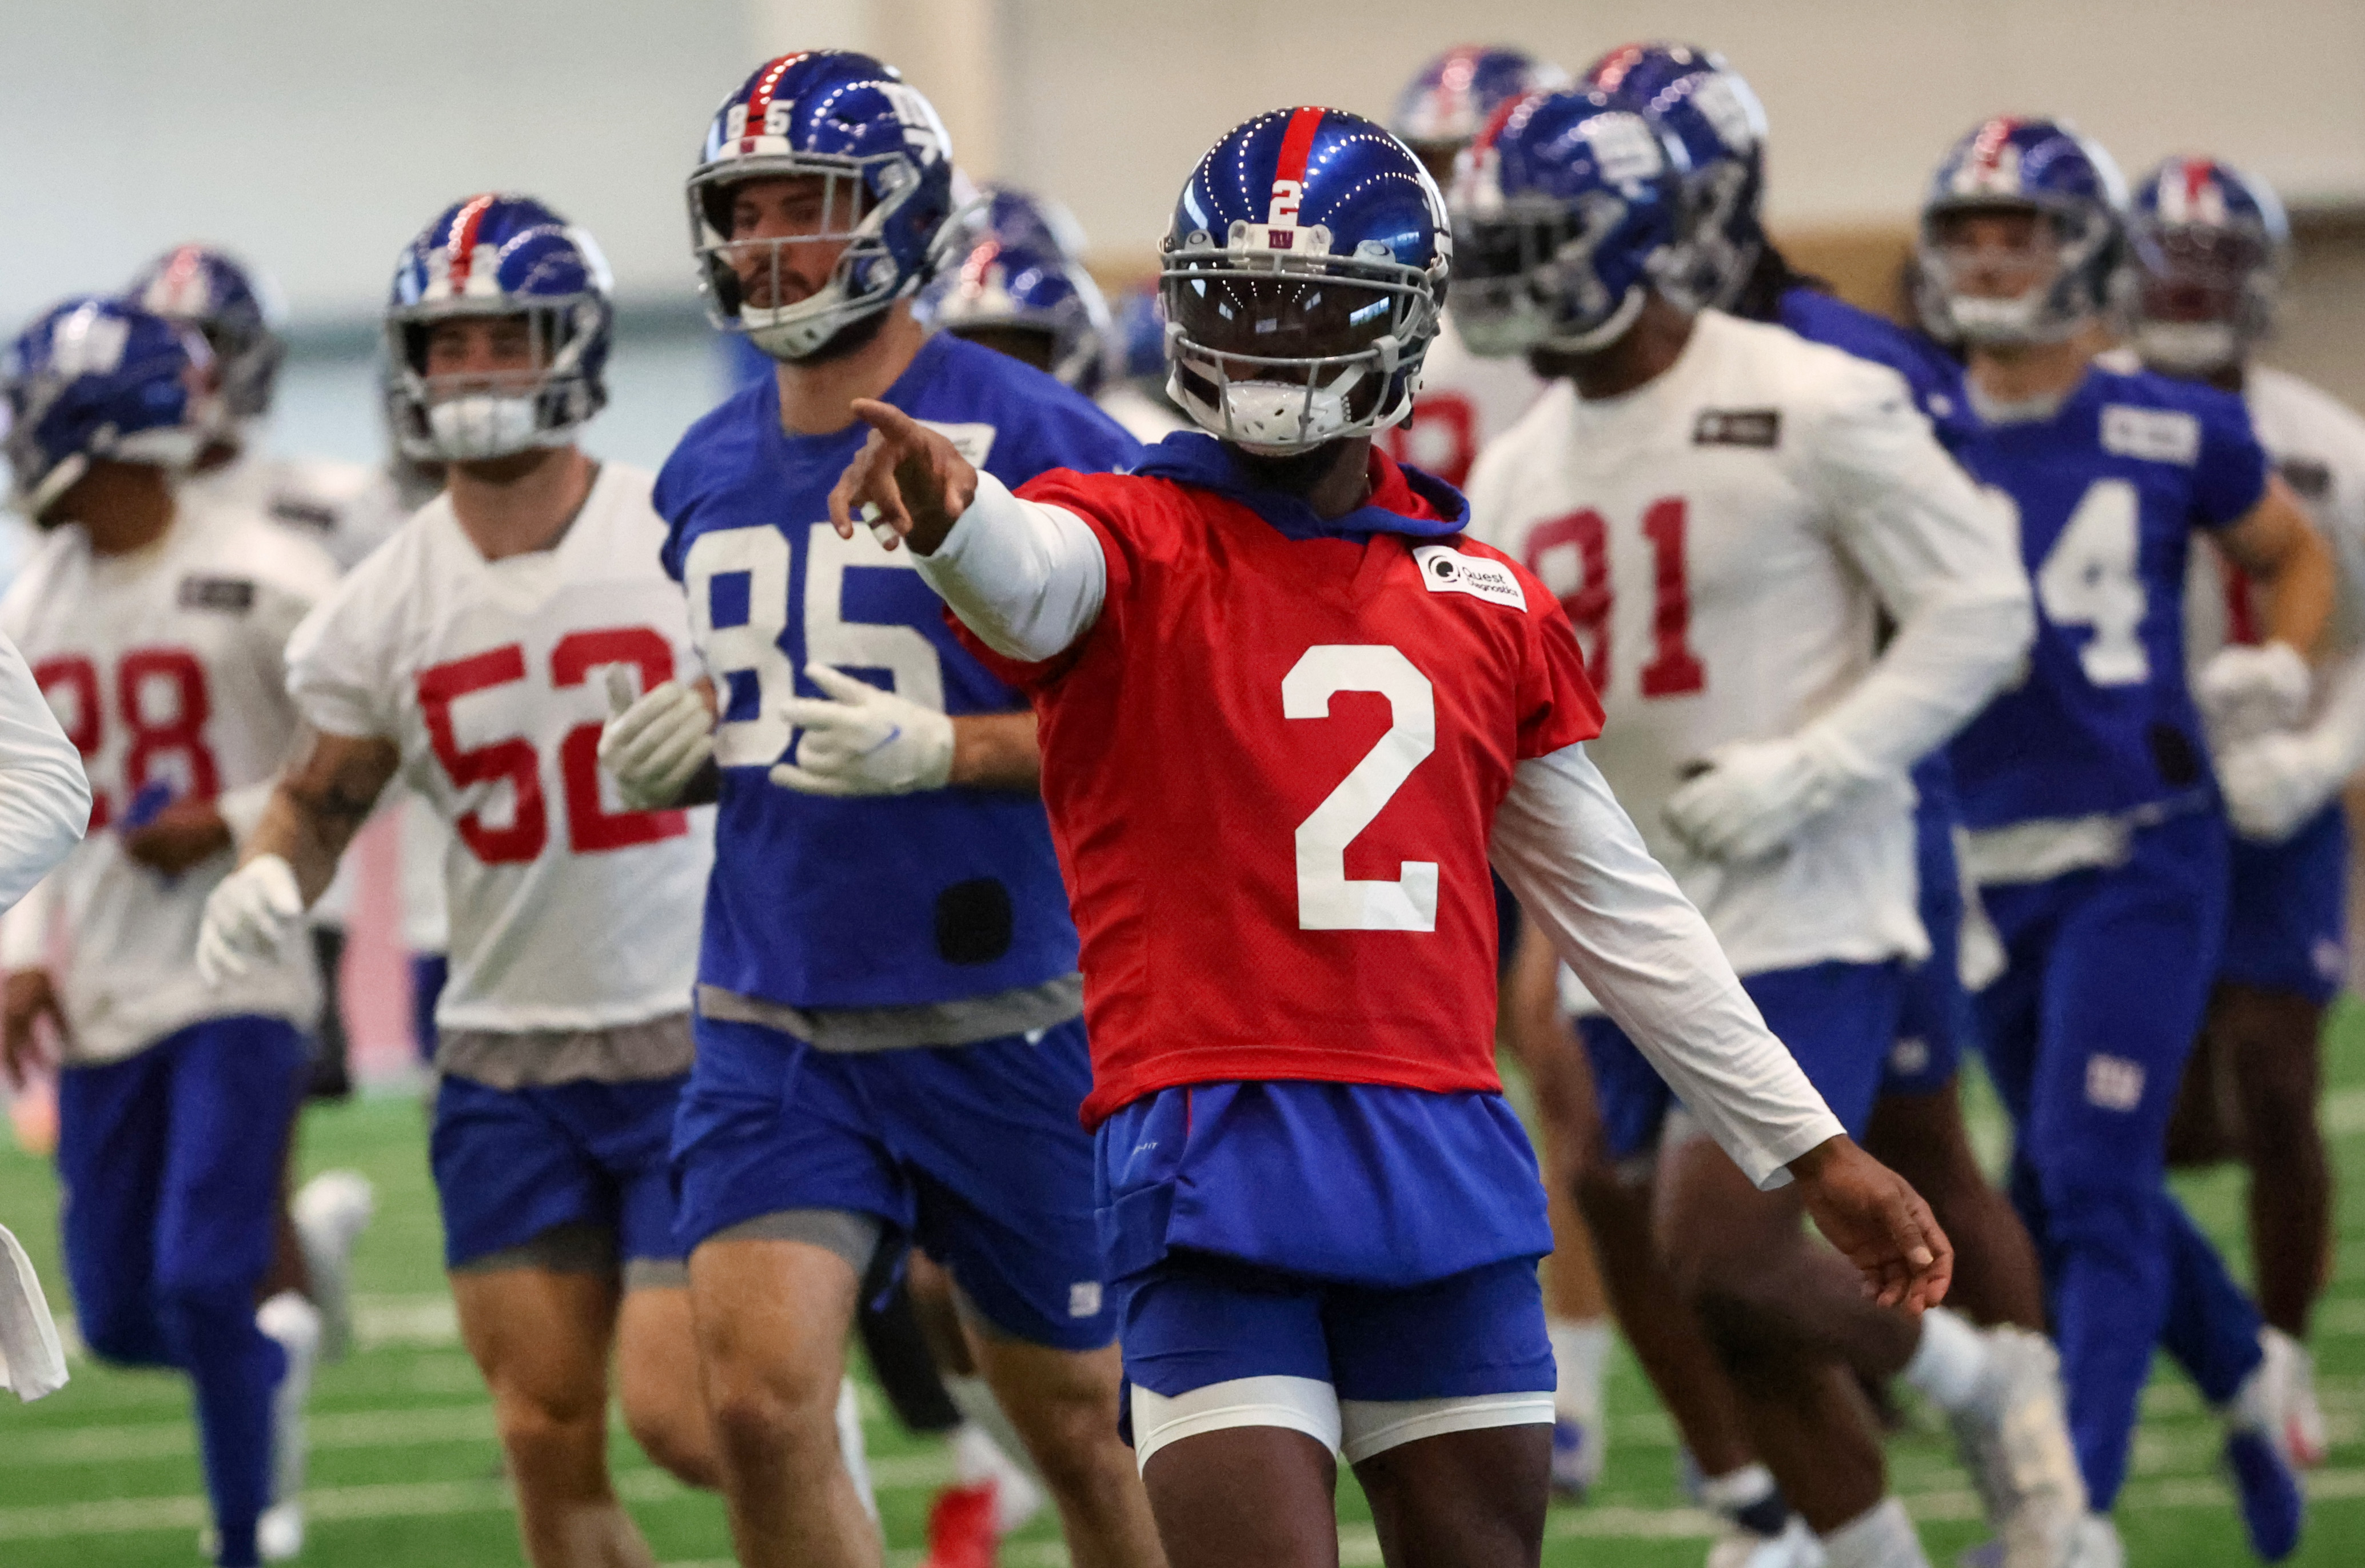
<point x="2230" y="476"/>
<point x="672" y="504"/>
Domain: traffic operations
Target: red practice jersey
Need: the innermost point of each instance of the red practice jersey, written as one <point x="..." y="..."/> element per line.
<point x="1272" y="767"/>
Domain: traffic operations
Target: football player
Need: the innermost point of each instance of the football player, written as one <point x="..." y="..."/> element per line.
<point x="1761" y="502"/>
<point x="1465" y="400"/>
<point x="891" y="1046"/>
<point x="474" y="657"/>
<point x="2096" y="837"/>
<point x="1307" y="1162"/>
<point x="2209" y="244"/>
<point x="346" y="508"/>
<point x="1728" y="262"/>
<point x="155" y="625"/>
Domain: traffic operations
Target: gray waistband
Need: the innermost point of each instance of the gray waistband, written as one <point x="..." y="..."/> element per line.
<point x="963" y="1022"/>
<point x="514" y="1058"/>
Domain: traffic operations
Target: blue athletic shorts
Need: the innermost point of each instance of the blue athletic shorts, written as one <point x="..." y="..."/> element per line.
<point x="1194" y="1319"/>
<point x="1839" y="1020"/>
<point x="512" y="1163"/>
<point x="974" y="1152"/>
<point x="2286" y="919"/>
<point x="1935" y="1011"/>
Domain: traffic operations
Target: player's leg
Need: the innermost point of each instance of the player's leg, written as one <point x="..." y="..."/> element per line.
<point x="1616" y="1190"/>
<point x="1005" y="1203"/>
<point x="531" y="1247"/>
<point x="1453" y="1449"/>
<point x="1923" y="1138"/>
<point x="112" y="1122"/>
<point x="233" y="1093"/>
<point x="539" y="1320"/>
<point x="781" y="1186"/>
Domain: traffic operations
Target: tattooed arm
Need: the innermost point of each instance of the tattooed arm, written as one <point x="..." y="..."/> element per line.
<point x="323" y="797"/>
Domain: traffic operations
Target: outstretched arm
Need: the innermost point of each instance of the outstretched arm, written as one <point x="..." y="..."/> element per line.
<point x="1580" y="871"/>
<point x="44" y="794"/>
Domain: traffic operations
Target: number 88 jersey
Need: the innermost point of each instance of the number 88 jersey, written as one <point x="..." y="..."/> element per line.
<point x="2108" y="490"/>
<point x="567" y="911"/>
<point x="164" y="668"/>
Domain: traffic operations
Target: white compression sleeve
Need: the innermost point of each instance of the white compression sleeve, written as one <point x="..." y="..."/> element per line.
<point x="1582" y="873"/>
<point x="1945" y="561"/>
<point x="1028" y="578"/>
<point x="44" y="793"/>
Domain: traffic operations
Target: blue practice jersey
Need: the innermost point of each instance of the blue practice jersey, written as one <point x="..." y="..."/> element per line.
<point x="887" y="901"/>
<point x="1935" y="380"/>
<point x="2109" y="490"/>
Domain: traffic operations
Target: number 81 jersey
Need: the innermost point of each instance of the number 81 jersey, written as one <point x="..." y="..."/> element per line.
<point x="2108" y="490"/>
<point x="567" y="912"/>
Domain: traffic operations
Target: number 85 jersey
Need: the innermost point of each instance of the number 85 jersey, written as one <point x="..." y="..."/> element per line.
<point x="889" y="900"/>
<point x="2108" y="489"/>
<point x="567" y="912"/>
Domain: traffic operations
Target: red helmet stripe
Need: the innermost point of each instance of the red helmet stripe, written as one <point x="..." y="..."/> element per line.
<point x="2196" y="180"/>
<point x="1987" y="153"/>
<point x="180" y="276"/>
<point x="759" y="102"/>
<point x="460" y="244"/>
<point x="1616" y="64"/>
<point x="1297" y="143"/>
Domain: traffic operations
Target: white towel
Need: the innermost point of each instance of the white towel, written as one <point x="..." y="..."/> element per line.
<point x="32" y="1360"/>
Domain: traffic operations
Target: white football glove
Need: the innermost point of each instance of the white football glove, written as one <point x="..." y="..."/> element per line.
<point x="1756" y="795"/>
<point x="2276" y="783"/>
<point x="653" y="745"/>
<point x="249" y="917"/>
<point x="863" y="740"/>
<point x="2246" y="692"/>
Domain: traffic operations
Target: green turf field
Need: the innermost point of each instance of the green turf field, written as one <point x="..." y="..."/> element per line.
<point x="404" y="1470"/>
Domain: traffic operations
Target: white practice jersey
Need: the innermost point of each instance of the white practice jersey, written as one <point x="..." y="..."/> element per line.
<point x="566" y="911"/>
<point x="346" y="508"/>
<point x="1724" y="539"/>
<point x="1465" y="402"/>
<point x="165" y="668"/>
<point x="2317" y="443"/>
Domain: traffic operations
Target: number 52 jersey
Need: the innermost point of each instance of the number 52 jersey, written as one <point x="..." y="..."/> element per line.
<point x="567" y="912"/>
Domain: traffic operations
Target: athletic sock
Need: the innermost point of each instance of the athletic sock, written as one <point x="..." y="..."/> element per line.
<point x="1880" y="1537"/>
<point x="851" y="1449"/>
<point x="1580" y="1349"/>
<point x="1749" y="1497"/>
<point x="1947" y="1363"/>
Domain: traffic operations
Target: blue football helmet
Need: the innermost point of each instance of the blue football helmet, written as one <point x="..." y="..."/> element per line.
<point x="2209" y="243"/>
<point x="498" y="255"/>
<point x="1443" y="108"/>
<point x="2040" y="167"/>
<point x="233" y="306"/>
<point x="1003" y="286"/>
<point x="1302" y="276"/>
<point x="99" y="378"/>
<point x="1567" y="209"/>
<point x="885" y="167"/>
<point x="1709" y="111"/>
<point x="1022" y="218"/>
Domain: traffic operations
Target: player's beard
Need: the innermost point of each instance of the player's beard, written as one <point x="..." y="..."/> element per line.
<point x="1297" y="473"/>
<point x="847" y="341"/>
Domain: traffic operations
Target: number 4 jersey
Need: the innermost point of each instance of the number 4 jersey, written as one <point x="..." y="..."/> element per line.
<point x="164" y="668"/>
<point x="2109" y="488"/>
<point x="1724" y="538"/>
<point x="567" y="912"/>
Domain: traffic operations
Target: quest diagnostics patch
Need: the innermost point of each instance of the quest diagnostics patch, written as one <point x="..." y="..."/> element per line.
<point x="1444" y="569"/>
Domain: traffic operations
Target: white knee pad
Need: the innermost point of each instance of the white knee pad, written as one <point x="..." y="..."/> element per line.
<point x="1354" y="1429"/>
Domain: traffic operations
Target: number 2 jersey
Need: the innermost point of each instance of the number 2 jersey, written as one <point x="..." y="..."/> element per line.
<point x="567" y="912"/>
<point x="165" y="669"/>
<point x="1724" y="538"/>
<point x="885" y="901"/>
<point x="1274" y="764"/>
<point x="2109" y="488"/>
